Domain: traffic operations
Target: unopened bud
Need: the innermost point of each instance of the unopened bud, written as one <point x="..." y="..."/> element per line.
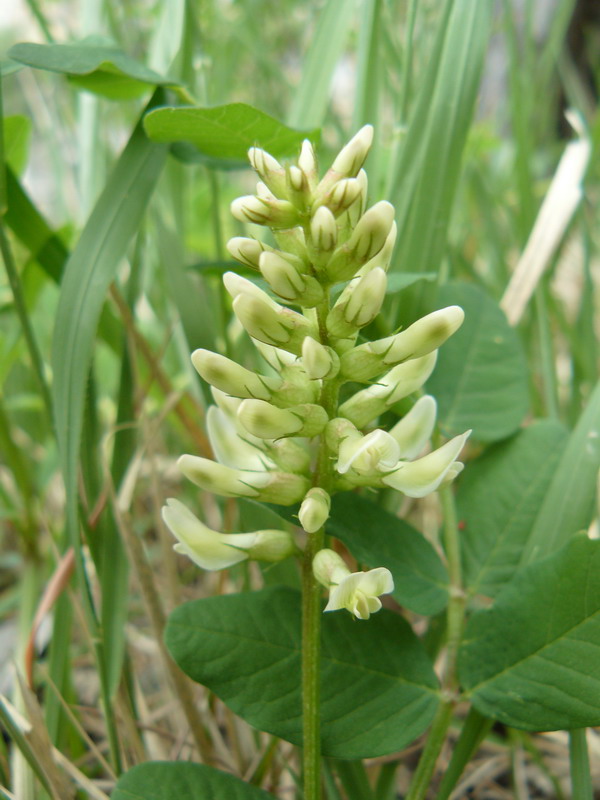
<point x="307" y="162"/>
<point x="329" y="568"/>
<point x="318" y="360"/>
<point x="358" y="305"/>
<point x="232" y="378"/>
<point x="232" y="445"/>
<point x="368" y="238"/>
<point x="323" y="230"/>
<point x="289" y="455"/>
<point x="297" y="179"/>
<point x="421" y="338"/>
<point x="314" y="510"/>
<point x="357" y="209"/>
<point x="414" y="429"/>
<point x="265" y="211"/>
<point x="384" y="256"/>
<point x="342" y="195"/>
<point x="267" y="421"/>
<point x="286" y="281"/>
<point x="398" y="383"/>
<point x="269" y="169"/>
<point x="271" y="487"/>
<point x="237" y="285"/>
<point x="246" y="251"/>
<point x="423" y="476"/>
<point x="352" y="156"/>
<point x="273" y="324"/>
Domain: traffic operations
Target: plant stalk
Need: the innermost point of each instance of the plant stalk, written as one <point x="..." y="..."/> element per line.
<point x="311" y="601"/>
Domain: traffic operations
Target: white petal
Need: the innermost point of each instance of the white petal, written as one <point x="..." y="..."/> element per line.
<point x="229" y="447"/>
<point x="421" y="477"/>
<point x="414" y="430"/>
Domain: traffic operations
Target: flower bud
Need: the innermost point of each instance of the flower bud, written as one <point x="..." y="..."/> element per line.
<point x="270" y="487"/>
<point x="358" y="305"/>
<point x="297" y="387"/>
<point x="297" y="179"/>
<point x="232" y="378"/>
<point x="423" y="476"/>
<point x="384" y="256"/>
<point x="358" y="207"/>
<point x="414" y="430"/>
<point x="368" y="455"/>
<point x="212" y="550"/>
<point x="324" y="235"/>
<point x="269" y="422"/>
<point x="270" y="323"/>
<point x="307" y="161"/>
<point x="314" y="511"/>
<point x="232" y="445"/>
<point x="287" y="282"/>
<point x="246" y="251"/>
<point x="398" y="383"/>
<point x="270" y="170"/>
<point x="352" y="156"/>
<point x="265" y="211"/>
<point x="366" y="241"/>
<point x="318" y="360"/>
<point x="342" y="195"/>
<point x="329" y="568"/>
<point x="289" y="455"/>
<point x="237" y="285"/>
<point x="423" y="336"/>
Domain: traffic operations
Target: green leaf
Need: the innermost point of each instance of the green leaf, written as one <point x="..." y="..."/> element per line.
<point x="531" y="661"/>
<point x="420" y="577"/>
<point x="397" y="281"/>
<point x="313" y="95"/>
<point x="424" y="181"/>
<point x="569" y="503"/>
<point x="96" y="64"/>
<point x="164" y="780"/>
<point x="498" y="498"/>
<point x="88" y="274"/>
<point x="222" y="135"/>
<point x="378" y="686"/>
<point x="481" y="378"/>
<point x="17" y="132"/>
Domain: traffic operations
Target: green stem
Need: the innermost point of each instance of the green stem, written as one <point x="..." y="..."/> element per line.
<point x="454" y="625"/>
<point x="429" y="756"/>
<point x="311" y="602"/>
<point x="581" y="783"/>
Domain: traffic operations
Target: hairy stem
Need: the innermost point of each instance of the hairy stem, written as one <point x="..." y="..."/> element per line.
<point x="454" y="625"/>
<point x="311" y="602"/>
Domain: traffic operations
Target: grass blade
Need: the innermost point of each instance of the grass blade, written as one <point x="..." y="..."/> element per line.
<point x="313" y="94"/>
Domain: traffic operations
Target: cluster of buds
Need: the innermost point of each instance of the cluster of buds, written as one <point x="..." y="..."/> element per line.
<point x="281" y="435"/>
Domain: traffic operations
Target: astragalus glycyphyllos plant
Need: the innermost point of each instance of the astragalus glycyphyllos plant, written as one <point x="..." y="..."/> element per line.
<point x="284" y="436"/>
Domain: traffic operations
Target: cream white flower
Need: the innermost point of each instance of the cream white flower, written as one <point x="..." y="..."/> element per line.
<point x="358" y="592"/>
<point x="212" y="550"/>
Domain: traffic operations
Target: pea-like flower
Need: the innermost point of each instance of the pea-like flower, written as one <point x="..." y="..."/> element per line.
<point x="212" y="550"/>
<point x="358" y="592"/>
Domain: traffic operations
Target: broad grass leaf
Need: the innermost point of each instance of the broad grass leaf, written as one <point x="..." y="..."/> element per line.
<point x="91" y="267"/>
<point x="377" y="538"/>
<point x="531" y="661"/>
<point x="17" y="132"/>
<point x="96" y="64"/>
<point x="499" y="497"/>
<point x="222" y="135"/>
<point x="569" y="503"/>
<point x="313" y="95"/>
<point x="164" y="780"/>
<point x="481" y="377"/>
<point x="379" y="690"/>
<point x="424" y="180"/>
